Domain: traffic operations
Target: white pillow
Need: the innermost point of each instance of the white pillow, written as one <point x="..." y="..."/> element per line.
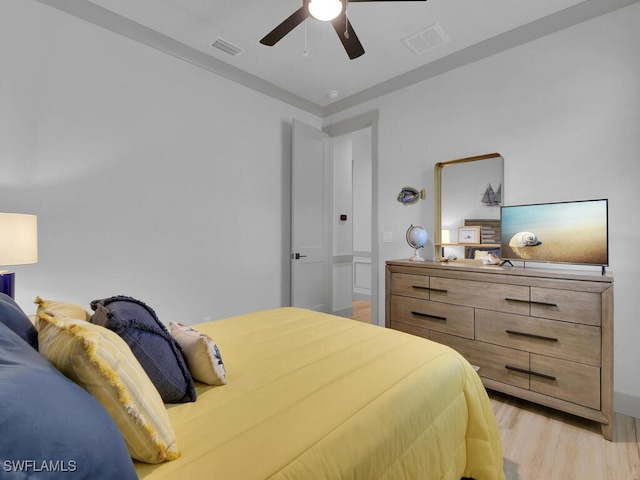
<point x="201" y="353"/>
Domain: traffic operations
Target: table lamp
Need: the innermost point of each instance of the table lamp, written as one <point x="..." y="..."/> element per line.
<point x="18" y="246"/>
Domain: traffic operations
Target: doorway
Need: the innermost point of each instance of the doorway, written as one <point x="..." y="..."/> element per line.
<point x="354" y="218"/>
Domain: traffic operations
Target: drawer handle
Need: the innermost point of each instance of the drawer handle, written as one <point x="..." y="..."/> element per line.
<point x="439" y="290"/>
<point x="517" y="300"/>
<point x="432" y="317"/>
<point x="532" y="302"/>
<point x="532" y="335"/>
<point x="418" y="287"/>
<point x="544" y="304"/>
<point x="530" y="372"/>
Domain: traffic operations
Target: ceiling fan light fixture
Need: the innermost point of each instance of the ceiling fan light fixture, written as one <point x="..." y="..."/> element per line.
<point x="325" y="10"/>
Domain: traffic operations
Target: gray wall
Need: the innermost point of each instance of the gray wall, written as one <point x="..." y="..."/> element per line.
<point x="150" y="177"/>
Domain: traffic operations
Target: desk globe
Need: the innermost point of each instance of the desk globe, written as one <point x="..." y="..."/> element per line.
<point x="417" y="238"/>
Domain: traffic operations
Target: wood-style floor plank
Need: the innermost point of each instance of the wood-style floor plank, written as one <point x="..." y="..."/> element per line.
<point x="361" y="311"/>
<point x="542" y="443"/>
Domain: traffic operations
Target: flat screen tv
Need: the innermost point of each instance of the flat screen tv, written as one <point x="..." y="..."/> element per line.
<point x="563" y="232"/>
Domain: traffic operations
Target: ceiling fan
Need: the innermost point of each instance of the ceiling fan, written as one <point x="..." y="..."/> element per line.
<point x="334" y="11"/>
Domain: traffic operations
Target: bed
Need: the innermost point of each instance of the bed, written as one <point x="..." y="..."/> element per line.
<point x="315" y="396"/>
<point x="307" y="396"/>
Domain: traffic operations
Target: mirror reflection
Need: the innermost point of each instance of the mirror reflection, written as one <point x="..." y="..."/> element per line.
<point x="469" y="193"/>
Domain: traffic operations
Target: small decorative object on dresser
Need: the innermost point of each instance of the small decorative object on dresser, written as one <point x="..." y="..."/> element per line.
<point x="544" y="335"/>
<point x="417" y="237"/>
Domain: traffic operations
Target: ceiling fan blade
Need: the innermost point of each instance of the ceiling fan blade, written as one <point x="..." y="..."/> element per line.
<point x="349" y="41"/>
<point x="278" y="33"/>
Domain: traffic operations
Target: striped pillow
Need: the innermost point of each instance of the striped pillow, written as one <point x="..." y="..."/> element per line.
<point x="101" y="362"/>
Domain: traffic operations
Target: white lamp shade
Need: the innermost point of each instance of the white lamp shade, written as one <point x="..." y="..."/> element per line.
<point x="325" y="9"/>
<point x="18" y="239"/>
<point x="446" y="236"/>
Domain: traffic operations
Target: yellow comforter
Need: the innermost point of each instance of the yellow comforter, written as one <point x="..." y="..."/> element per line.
<point x="314" y="396"/>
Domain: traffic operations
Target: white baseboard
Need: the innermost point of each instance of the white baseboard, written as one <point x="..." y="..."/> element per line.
<point x="626" y="404"/>
<point x="346" y="312"/>
<point x="361" y="296"/>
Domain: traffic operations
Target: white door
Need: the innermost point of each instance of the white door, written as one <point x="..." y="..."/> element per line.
<point x="310" y="227"/>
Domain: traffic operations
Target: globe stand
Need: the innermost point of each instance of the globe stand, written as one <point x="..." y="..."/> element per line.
<point x="416" y="257"/>
<point x="416" y="238"/>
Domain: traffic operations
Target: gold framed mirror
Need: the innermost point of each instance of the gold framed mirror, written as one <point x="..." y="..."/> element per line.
<point x="468" y="196"/>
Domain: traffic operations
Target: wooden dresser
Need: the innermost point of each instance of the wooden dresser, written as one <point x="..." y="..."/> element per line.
<point x="539" y="334"/>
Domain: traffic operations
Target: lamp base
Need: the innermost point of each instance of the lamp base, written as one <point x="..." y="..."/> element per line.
<point x="7" y="282"/>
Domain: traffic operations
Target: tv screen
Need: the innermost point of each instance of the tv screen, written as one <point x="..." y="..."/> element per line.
<point x="563" y="232"/>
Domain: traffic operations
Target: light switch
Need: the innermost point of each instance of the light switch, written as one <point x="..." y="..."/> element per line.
<point x="386" y="237"/>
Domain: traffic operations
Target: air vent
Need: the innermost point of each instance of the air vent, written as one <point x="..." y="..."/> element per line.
<point x="426" y="40"/>
<point x="226" y="47"/>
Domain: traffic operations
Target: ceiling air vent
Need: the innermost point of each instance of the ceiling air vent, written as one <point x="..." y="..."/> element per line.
<point x="426" y="40"/>
<point x="226" y="47"/>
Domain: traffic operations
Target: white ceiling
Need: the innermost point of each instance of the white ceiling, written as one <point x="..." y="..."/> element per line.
<point x="475" y="28"/>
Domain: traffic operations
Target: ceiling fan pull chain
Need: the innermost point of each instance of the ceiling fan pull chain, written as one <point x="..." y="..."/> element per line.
<point x="306" y="51"/>
<point x="346" y="20"/>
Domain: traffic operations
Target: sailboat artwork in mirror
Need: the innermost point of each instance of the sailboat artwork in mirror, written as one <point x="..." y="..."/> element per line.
<point x="492" y="198"/>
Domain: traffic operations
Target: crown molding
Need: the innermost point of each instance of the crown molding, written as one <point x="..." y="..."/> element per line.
<point x="548" y="25"/>
<point x="120" y="25"/>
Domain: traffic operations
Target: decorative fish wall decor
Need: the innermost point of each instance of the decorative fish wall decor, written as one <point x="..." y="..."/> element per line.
<point x="409" y="195"/>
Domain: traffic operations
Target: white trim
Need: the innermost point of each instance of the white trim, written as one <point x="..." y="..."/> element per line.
<point x="626" y="404"/>
<point x="347" y="313"/>
<point x="568" y="17"/>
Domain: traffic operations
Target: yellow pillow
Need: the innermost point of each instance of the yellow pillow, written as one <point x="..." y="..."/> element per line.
<point x="201" y="353"/>
<point x="102" y="363"/>
<point x="68" y="310"/>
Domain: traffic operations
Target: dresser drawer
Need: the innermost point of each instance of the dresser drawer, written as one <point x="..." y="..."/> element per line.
<point x="570" y="381"/>
<point x="492" y="296"/>
<point x="490" y="358"/>
<point x="580" y="307"/>
<point x="410" y="285"/>
<point x="432" y="316"/>
<point x="564" y="340"/>
<point x="412" y="329"/>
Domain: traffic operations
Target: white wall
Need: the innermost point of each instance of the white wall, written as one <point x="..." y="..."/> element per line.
<point x="150" y="177"/>
<point x="564" y="111"/>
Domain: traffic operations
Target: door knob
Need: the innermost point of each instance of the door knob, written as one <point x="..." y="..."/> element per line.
<point x="297" y="256"/>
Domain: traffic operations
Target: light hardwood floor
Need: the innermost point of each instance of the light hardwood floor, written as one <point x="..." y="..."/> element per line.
<point x="540" y="443"/>
<point x="361" y="311"/>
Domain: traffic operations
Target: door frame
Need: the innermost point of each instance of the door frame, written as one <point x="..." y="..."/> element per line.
<point x="344" y="127"/>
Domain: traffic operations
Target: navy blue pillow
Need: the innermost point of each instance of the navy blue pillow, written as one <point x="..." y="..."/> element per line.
<point x="51" y="428"/>
<point x="151" y="343"/>
<point x="14" y="318"/>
